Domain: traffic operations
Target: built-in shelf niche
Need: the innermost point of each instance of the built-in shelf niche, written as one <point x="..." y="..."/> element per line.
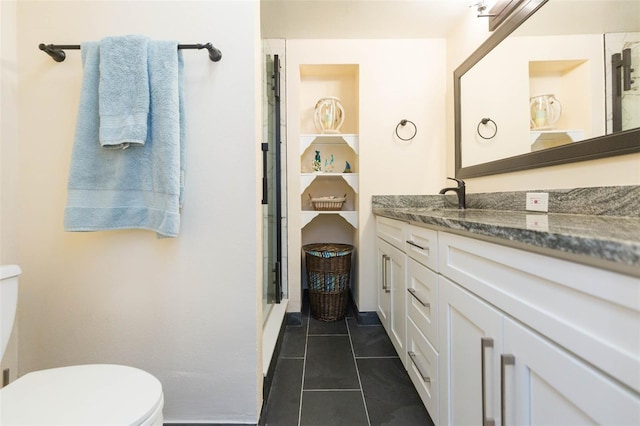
<point x="326" y="186"/>
<point x="329" y="228"/>
<point x="318" y="81"/>
<point x="323" y="80"/>
<point x="567" y="80"/>
<point x="334" y="153"/>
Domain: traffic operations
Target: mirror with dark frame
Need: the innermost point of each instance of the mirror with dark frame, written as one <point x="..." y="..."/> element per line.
<point x="537" y="52"/>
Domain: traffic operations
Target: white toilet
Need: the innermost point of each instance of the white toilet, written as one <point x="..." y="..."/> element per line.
<point x="96" y="394"/>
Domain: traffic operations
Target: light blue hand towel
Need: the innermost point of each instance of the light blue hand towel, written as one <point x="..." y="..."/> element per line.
<point x="139" y="187"/>
<point x="123" y="91"/>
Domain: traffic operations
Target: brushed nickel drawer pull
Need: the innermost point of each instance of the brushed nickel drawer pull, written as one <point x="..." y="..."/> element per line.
<point x="413" y="357"/>
<point x="385" y="271"/>
<point x="414" y="294"/>
<point x="505" y="359"/>
<point x="485" y="342"/>
<point x="411" y="243"/>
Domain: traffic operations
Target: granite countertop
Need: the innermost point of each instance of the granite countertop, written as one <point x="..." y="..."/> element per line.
<point x="611" y="242"/>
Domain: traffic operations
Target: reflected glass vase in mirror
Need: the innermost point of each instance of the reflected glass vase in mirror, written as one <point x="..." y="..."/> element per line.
<point x="545" y="112"/>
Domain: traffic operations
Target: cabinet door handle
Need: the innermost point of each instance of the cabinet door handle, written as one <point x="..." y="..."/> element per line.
<point x="411" y="243"/>
<point x="385" y="270"/>
<point x="485" y="342"/>
<point x="413" y="357"/>
<point x="505" y="359"/>
<point x="414" y="294"/>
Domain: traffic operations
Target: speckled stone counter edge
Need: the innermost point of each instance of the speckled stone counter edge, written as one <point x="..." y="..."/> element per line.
<point x="605" y="200"/>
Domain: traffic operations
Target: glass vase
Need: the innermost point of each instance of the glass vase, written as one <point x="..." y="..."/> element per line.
<point x="545" y="112"/>
<point x="328" y="115"/>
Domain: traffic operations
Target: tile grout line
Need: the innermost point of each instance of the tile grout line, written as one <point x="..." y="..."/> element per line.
<point x="378" y="357"/>
<point x="327" y="335"/>
<point x="304" y="366"/>
<point x="355" y="362"/>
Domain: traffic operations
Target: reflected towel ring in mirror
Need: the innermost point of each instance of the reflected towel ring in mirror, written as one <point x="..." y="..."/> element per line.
<point x="484" y="122"/>
<point x="403" y="123"/>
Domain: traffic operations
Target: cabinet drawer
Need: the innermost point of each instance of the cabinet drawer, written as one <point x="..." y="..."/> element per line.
<point x="422" y="366"/>
<point x="592" y="312"/>
<point x="392" y="231"/>
<point x="422" y="299"/>
<point x="421" y="244"/>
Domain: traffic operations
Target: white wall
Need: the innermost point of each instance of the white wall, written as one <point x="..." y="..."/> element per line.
<point x="9" y="158"/>
<point x="621" y="170"/>
<point x="398" y="79"/>
<point x="187" y="309"/>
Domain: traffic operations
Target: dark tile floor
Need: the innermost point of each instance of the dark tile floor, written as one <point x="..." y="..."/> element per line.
<point x="340" y="373"/>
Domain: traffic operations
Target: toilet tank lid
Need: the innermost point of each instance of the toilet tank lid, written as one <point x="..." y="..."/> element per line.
<point x="9" y="271"/>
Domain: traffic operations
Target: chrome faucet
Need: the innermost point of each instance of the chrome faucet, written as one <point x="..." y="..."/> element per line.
<point x="459" y="190"/>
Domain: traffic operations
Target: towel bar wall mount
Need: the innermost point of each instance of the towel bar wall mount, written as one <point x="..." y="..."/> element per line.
<point x="56" y="51"/>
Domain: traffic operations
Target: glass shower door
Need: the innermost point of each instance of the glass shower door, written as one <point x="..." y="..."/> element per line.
<point x="271" y="188"/>
<point x="623" y="55"/>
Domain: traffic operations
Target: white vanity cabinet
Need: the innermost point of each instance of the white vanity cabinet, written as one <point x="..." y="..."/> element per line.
<point x="533" y="340"/>
<point x="408" y="301"/>
<point x="497" y="335"/>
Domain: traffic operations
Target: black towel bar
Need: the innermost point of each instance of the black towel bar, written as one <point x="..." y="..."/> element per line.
<point x="56" y="51"/>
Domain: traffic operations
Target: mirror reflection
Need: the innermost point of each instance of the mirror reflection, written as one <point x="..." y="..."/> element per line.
<point x="570" y="73"/>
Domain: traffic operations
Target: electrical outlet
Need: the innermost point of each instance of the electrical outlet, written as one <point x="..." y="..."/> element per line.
<point x="538" y="201"/>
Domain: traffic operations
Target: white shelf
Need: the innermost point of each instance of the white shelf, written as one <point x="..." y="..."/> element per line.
<point x="350" y="216"/>
<point x="543" y="139"/>
<point x="574" y="135"/>
<point x="329" y="138"/>
<point x="307" y="178"/>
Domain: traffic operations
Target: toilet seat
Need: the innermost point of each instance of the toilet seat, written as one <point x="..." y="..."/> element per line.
<point x="96" y="394"/>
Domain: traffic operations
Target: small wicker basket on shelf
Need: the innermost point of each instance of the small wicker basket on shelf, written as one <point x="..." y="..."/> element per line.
<point x="330" y="203"/>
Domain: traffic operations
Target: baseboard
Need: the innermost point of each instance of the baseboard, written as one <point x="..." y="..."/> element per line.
<point x="293" y="318"/>
<point x="363" y="317"/>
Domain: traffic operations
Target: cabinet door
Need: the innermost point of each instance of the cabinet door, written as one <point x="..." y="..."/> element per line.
<point x="470" y="347"/>
<point x="398" y="320"/>
<point x="391" y="295"/>
<point x="383" y="307"/>
<point x="545" y="385"/>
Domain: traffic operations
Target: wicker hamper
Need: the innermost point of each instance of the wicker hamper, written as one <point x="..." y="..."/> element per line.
<point x="328" y="277"/>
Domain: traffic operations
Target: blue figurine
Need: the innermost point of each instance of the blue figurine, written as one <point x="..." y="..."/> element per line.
<point x="347" y="168"/>
<point x="317" y="163"/>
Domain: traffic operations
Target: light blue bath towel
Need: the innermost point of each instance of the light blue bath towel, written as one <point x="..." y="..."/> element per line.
<point x="123" y="91"/>
<point x="139" y="187"/>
